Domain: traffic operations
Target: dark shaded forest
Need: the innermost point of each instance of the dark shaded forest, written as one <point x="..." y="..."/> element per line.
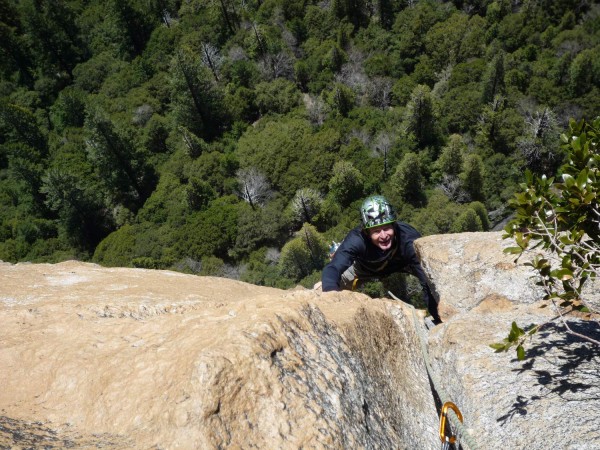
<point x="237" y="138"/>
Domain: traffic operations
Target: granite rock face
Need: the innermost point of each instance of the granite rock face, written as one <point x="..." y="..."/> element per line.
<point x="550" y="400"/>
<point x="469" y="268"/>
<point x="129" y="358"/>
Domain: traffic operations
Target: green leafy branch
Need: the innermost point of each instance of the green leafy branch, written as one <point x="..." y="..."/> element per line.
<point x="561" y="220"/>
<point x="516" y="337"/>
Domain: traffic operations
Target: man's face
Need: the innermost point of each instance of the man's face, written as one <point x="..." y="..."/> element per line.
<point x="382" y="236"/>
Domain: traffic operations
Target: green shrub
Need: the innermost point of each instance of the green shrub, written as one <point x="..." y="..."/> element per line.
<point x="562" y="217"/>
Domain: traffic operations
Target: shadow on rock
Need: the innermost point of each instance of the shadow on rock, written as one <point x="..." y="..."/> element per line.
<point x="27" y="434"/>
<point x="564" y="365"/>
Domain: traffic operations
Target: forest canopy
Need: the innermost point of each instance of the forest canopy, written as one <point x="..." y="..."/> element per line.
<point x="237" y="137"/>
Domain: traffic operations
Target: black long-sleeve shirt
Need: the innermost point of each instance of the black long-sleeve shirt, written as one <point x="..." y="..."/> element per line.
<point x="358" y="248"/>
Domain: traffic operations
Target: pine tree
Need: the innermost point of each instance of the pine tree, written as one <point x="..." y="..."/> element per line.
<point x="14" y="55"/>
<point x="305" y="205"/>
<point x="420" y="118"/>
<point x="341" y="99"/>
<point x="472" y="177"/>
<point x="23" y="144"/>
<point x="80" y="207"/>
<point x="122" y="169"/>
<point x="347" y="183"/>
<point x="304" y="254"/>
<point x="468" y="220"/>
<point x="53" y="30"/>
<point x="539" y="145"/>
<point x="197" y="100"/>
<point x="493" y="79"/>
<point x="385" y="8"/>
<point x="451" y="157"/>
<point x="198" y="194"/>
<point x="408" y="181"/>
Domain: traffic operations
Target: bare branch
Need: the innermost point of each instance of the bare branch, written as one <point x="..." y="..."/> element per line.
<point x="253" y="187"/>
<point x="211" y="58"/>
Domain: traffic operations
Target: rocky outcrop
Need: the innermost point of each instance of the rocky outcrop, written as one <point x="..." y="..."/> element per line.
<point x="131" y="358"/>
<point x="549" y="400"/>
<point x="470" y="268"/>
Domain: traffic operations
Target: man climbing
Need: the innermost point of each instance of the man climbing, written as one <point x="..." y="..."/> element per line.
<point x="378" y="248"/>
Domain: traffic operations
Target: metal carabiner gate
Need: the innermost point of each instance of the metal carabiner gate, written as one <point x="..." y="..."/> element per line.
<point x="446" y="441"/>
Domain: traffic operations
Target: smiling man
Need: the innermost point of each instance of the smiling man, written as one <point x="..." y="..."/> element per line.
<point x="379" y="247"/>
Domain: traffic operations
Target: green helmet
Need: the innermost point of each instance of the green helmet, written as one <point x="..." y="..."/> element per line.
<point x="376" y="211"/>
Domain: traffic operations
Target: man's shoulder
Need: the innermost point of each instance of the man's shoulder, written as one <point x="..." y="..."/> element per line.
<point x="356" y="231"/>
<point x="355" y="236"/>
<point x="408" y="231"/>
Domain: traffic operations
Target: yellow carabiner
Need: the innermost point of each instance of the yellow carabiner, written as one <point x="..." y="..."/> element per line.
<point x="443" y="415"/>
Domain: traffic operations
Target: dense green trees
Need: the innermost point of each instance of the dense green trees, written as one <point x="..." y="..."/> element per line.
<point x="206" y="136"/>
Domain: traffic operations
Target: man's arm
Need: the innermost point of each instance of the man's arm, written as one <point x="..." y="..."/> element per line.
<point x="344" y="257"/>
<point x="413" y="266"/>
<point x="332" y="273"/>
<point x="428" y="298"/>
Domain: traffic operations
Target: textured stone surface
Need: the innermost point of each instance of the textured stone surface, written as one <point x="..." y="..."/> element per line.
<point x="468" y="267"/>
<point x="550" y="400"/>
<point x="130" y="358"/>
